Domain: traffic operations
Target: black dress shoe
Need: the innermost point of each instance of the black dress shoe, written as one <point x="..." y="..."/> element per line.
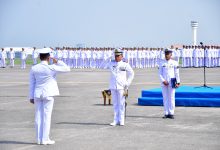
<point x="165" y="116"/>
<point x="171" y="116"/>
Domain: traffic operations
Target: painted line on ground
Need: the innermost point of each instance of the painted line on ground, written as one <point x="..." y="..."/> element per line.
<point x="137" y="83"/>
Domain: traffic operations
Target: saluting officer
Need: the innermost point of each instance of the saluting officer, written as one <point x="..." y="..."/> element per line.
<point x="43" y="86"/>
<point x="169" y="77"/>
<point x="121" y="77"/>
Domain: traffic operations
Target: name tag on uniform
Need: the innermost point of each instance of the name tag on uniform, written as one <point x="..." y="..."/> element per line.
<point x="122" y="69"/>
<point x="168" y="66"/>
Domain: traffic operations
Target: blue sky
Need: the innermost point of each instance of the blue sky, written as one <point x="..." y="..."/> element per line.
<point x="155" y="23"/>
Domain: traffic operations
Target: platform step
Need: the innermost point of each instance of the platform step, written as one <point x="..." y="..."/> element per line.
<point x="182" y="94"/>
<point x="198" y="102"/>
<point x="187" y="92"/>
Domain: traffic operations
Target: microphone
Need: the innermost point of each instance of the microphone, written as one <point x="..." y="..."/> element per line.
<point x="201" y="43"/>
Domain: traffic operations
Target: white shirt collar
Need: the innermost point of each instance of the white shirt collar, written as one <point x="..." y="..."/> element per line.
<point x="44" y="62"/>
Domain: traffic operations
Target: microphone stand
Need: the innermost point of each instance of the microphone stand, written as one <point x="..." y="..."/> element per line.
<point x="204" y="66"/>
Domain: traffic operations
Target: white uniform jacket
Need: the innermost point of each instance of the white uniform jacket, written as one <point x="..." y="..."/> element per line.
<point x="23" y="55"/>
<point x="167" y="70"/>
<point x="3" y="54"/>
<point x="121" y="74"/>
<point x="35" y="54"/>
<point x="43" y="82"/>
<point x="11" y="54"/>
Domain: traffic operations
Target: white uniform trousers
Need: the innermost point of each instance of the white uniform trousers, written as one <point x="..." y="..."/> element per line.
<point x="43" y="112"/>
<point x="147" y="62"/>
<point x="208" y="62"/>
<point x="130" y="61"/>
<point x="168" y="99"/>
<point x="34" y="61"/>
<point x="196" y="62"/>
<point x="70" y="62"/>
<point x="3" y="62"/>
<point x="119" y="105"/>
<point x="187" y="62"/>
<point x="12" y="62"/>
<point x="183" y="62"/>
<point x="23" y="63"/>
<point x="218" y="62"/>
<point x="65" y="61"/>
<point x="134" y="63"/>
<point x="213" y="62"/>
<point x="143" y="63"/>
<point x="138" y="65"/>
<point x="201" y="62"/>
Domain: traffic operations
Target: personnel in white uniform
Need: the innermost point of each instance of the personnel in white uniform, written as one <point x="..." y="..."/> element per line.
<point x="23" y="59"/>
<point x="34" y="56"/>
<point x="121" y="77"/>
<point x="218" y="59"/>
<point x="147" y="58"/>
<point x="139" y="57"/>
<point x="43" y="86"/>
<point x="12" y="57"/>
<point x="65" y="55"/>
<point x="3" y="58"/>
<point x="59" y="54"/>
<point x="195" y="56"/>
<point x="169" y="77"/>
<point x="52" y="55"/>
<point x="70" y="57"/>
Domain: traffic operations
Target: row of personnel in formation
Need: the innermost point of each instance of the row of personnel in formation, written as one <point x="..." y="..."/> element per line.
<point x="188" y="56"/>
<point x="43" y="87"/>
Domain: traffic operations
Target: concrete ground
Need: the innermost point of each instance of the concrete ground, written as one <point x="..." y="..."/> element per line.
<point x="81" y="122"/>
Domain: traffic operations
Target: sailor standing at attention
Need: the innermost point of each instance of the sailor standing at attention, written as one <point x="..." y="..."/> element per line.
<point x="12" y="57"/>
<point x="121" y="77"/>
<point x="23" y="58"/>
<point x="34" y="56"/>
<point x="43" y="86"/>
<point x="169" y="77"/>
<point x="3" y="58"/>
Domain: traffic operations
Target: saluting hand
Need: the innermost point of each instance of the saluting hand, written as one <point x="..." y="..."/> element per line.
<point x="54" y="60"/>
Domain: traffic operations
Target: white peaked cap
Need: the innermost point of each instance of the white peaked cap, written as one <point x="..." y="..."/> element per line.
<point x="44" y="50"/>
<point x="118" y="51"/>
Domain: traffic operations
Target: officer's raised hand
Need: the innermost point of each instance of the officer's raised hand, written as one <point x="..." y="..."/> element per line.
<point x="54" y="60"/>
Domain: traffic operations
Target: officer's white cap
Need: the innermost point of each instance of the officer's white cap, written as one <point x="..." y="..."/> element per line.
<point x="44" y="50"/>
<point x="118" y="51"/>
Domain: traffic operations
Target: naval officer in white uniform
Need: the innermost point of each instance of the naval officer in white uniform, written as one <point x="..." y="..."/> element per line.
<point x="121" y="77"/>
<point x="3" y="58"/>
<point x="34" y="56"/>
<point x="12" y="57"/>
<point x="43" y="86"/>
<point x="169" y="77"/>
<point x="23" y="58"/>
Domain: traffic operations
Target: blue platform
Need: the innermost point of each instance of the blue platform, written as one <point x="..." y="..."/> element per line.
<point x="185" y="96"/>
